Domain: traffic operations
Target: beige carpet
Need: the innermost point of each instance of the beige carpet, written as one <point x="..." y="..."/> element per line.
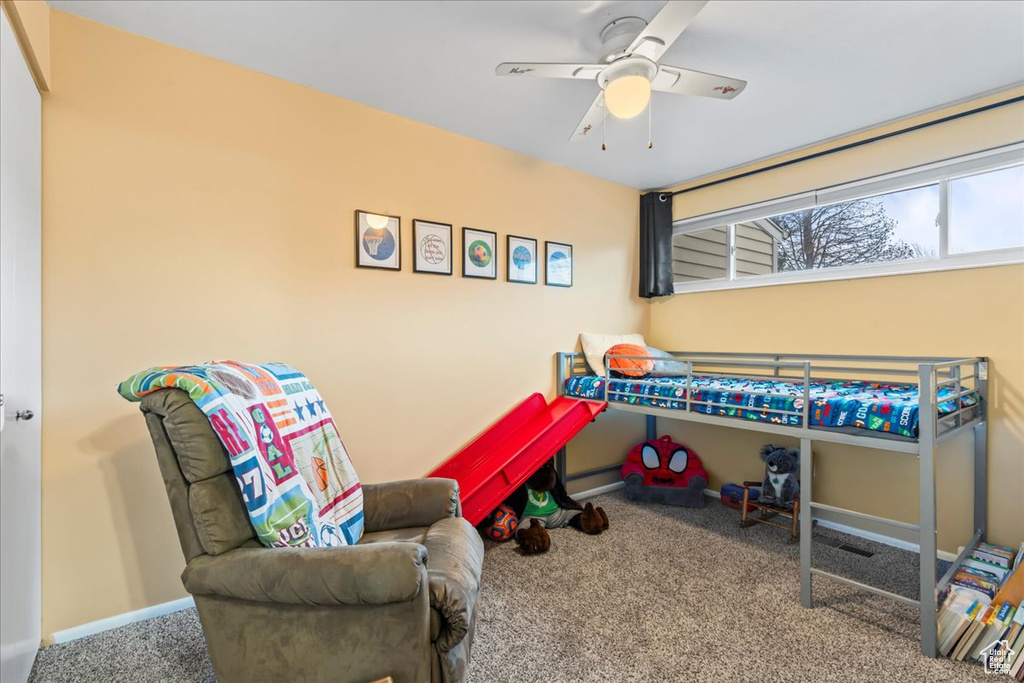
<point x="667" y="594"/>
<point x="673" y="594"/>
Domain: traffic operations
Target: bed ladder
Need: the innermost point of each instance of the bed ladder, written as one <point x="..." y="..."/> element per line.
<point x="926" y="528"/>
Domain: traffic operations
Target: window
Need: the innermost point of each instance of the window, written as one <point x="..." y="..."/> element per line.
<point x="963" y="213"/>
<point x="701" y="255"/>
<point x="987" y="211"/>
<point x="895" y="227"/>
<point x="757" y="245"/>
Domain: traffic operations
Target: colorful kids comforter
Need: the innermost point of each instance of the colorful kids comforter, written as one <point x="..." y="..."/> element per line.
<point x="295" y="476"/>
<point x="876" y="406"/>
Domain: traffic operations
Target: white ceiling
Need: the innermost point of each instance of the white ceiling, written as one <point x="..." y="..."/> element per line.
<point x="816" y="69"/>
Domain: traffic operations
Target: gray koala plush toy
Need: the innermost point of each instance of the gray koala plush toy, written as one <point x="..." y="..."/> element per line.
<point x="780" y="476"/>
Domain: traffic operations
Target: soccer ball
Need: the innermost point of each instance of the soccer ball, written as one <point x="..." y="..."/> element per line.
<point x="504" y="525"/>
<point x="479" y="254"/>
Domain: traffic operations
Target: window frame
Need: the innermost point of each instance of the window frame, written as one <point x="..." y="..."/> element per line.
<point x="940" y="173"/>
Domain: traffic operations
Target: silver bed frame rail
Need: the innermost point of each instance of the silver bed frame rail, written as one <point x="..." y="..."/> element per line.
<point x="967" y="376"/>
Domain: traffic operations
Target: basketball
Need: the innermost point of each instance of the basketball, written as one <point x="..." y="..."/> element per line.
<point x="627" y="366"/>
<point x="379" y="243"/>
<point x="320" y="472"/>
<point x="433" y="249"/>
<point x="504" y="526"/>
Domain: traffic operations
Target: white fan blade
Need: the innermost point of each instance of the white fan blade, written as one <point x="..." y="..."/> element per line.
<point x="688" y="82"/>
<point x="590" y="120"/>
<point x="583" y="71"/>
<point x="663" y="30"/>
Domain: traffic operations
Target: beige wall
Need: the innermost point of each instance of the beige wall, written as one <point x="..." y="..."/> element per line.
<point x="956" y="313"/>
<point x="197" y="210"/>
<point x="30" y="20"/>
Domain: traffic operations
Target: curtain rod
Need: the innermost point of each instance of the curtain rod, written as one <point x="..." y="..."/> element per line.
<point x="851" y="145"/>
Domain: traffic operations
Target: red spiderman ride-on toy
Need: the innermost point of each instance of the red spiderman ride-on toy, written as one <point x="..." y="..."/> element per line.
<point x="662" y="471"/>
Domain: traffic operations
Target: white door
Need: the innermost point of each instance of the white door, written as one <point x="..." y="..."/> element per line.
<point x="20" y="378"/>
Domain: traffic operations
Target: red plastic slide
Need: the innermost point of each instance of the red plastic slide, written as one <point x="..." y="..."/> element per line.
<point x="498" y="461"/>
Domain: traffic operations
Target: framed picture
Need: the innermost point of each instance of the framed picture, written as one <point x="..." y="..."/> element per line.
<point x="378" y="241"/>
<point x="522" y="259"/>
<point x="432" y="247"/>
<point x="479" y="254"/>
<point x="557" y="264"/>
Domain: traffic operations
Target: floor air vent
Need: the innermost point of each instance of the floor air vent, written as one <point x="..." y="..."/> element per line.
<point x="855" y="550"/>
<point x="844" y="546"/>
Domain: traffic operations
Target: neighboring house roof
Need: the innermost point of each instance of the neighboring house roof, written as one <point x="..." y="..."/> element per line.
<point x="769" y="227"/>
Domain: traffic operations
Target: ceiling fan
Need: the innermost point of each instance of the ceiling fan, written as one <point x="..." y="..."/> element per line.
<point x="628" y="67"/>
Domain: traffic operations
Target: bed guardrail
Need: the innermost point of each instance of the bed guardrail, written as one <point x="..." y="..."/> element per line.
<point x="967" y="377"/>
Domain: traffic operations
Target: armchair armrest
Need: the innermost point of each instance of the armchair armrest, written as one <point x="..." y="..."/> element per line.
<point x="411" y="503"/>
<point x="372" y="574"/>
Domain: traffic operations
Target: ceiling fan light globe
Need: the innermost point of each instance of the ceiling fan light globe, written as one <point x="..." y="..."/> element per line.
<point x="376" y="221"/>
<point x="627" y="96"/>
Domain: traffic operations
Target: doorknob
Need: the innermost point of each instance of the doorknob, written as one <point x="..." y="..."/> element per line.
<point x="24" y="415"/>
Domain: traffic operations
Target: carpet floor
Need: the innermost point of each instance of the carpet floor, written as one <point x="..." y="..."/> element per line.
<point x="666" y="594"/>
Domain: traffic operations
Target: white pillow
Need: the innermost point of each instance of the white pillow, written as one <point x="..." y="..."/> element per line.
<point x="596" y="345"/>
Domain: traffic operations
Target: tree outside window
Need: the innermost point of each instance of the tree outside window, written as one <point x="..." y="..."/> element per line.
<point x="894" y="227"/>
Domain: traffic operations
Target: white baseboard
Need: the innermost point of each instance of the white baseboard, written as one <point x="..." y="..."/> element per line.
<point x="118" y="620"/>
<point x="861" y="533"/>
<point x="590" y="493"/>
<point x="880" y="538"/>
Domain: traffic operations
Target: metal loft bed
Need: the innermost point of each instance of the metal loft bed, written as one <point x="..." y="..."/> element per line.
<point x="967" y="376"/>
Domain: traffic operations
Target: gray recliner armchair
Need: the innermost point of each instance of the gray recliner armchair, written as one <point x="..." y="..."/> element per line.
<point x="400" y="603"/>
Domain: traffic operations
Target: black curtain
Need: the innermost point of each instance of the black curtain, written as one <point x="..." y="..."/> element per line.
<point x="655" y="244"/>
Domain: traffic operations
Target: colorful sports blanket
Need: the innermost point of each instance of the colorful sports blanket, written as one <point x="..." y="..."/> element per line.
<point x="295" y="475"/>
<point x="876" y="406"/>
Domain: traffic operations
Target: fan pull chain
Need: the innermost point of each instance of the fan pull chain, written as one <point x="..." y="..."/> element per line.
<point x="604" y="128"/>
<point x="650" y="135"/>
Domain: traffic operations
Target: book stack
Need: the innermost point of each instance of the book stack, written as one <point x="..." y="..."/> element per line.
<point x="980" y="618"/>
<point x="1015" y="648"/>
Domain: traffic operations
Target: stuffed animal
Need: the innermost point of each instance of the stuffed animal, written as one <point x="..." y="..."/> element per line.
<point x="542" y="503"/>
<point x="780" y="486"/>
<point x="662" y="471"/>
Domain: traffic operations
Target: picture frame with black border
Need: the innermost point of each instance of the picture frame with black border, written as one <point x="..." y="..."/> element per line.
<point x="479" y="254"/>
<point x="521" y="259"/>
<point x="378" y="247"/>
<point x="558" y="264"/>
<point x="432" y="247"/>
